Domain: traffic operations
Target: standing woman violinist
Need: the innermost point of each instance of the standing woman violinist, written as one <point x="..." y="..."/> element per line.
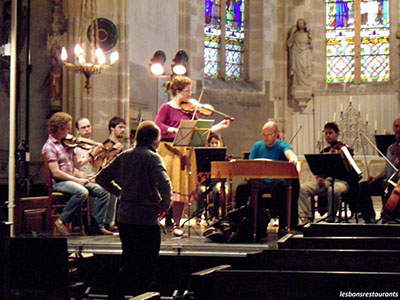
<point x="179" y="161"/>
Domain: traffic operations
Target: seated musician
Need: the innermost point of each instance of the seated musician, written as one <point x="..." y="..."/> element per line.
<point x="322" y="185"/>
<point x="67" y="178"/>
<point x="206" y="186"/>
<point x="114" y="144"/>
<point x="89" y="165"/>
<point x="376" y="186"/>
<point x="275" y="149"/>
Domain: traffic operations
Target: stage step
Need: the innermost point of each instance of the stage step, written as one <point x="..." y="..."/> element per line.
<point x="274" y="284"/>
<point x="371" y="230"/>
<point x="373" y="243"/>
<point x="326" y="260"/>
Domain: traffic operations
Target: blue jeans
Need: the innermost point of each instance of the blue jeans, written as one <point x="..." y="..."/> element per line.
<point x="78" y="194"/>
<point x="110" y="210"/>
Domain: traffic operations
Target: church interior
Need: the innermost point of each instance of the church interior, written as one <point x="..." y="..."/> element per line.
<point x="298" y="65"/>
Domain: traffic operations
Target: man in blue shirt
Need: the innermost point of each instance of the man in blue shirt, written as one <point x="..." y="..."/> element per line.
<point x="271" y="147"/>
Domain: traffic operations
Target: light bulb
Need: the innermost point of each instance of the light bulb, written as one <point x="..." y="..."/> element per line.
<point x="157" y="69"/>
<point x="114" y="57"/>
<point x="81" y="59"/>
<point x="78" y="50"/>
<point x="179" y="69"/>
<point x="64" y="54"/>
<point x="101" y="59"/>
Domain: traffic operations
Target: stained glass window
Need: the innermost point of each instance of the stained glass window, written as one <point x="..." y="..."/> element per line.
<point x="232" y="62"/>
<point x="212" y="39"/>
<point x="357" y="41"/>
<point x="234" y="39"/>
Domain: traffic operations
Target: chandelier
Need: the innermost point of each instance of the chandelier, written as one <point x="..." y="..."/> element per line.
<point x="95" y="40"/>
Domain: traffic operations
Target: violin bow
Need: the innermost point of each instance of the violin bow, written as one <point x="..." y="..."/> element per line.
<point x="365" y="155"/>
<point x="297" y="132"/>
<point x="196" y="108"/>
<point x="384" y="156"/>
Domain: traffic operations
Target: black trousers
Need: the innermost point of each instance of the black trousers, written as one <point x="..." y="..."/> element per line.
<point x="139" y="268"/>
<point x="278" y="190"/>
<point x="376" y="188"/>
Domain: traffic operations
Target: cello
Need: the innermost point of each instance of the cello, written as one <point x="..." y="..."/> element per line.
<point x="389" y="209"/>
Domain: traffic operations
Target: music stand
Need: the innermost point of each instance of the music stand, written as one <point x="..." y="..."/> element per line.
<point x="204" y="157"/>
<point x="328" y="165"/>
<point x="383" y="141"/>
<point x="192" y="133"/>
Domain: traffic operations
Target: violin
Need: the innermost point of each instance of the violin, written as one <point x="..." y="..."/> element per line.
<point x="107" y="154"/>
<point x="203" y="109"/>
<point x="72" y="142"/>
<point x="337" y="148"/>
<point x="188" y="107"/>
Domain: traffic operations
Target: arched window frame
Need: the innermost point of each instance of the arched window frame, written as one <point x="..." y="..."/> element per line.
<point x="218" y="51"/>
<point x="354" y="48"/>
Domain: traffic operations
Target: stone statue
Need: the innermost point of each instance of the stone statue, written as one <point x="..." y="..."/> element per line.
<point x="299" y="44"/>
<point x="299" y="65"/>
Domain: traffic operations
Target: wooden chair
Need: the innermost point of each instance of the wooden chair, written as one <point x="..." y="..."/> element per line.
<point x="320" y="203"/>
<point x="30" y="214"/>
<point x="57" y="202"/>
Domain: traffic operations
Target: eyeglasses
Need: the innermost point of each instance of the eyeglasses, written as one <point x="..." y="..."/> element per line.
<point x="187" y="91"/>
<point x="268" y="134"/>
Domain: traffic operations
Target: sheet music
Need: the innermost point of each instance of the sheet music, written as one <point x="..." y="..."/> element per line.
<point x="351" y="160"/>
<point x="185" y="133"/>
<point x="201" y="132"/>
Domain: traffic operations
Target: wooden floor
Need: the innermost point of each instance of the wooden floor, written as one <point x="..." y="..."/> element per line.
<point x="193" y="245"/>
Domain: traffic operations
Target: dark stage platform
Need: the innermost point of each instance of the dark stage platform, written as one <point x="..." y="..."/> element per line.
<point x="170" y="246"/>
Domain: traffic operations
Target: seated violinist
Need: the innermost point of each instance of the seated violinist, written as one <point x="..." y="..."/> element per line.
<point x="114" y="146"/>
<point x="90" y="159"/>
<point x="321" y="185"/>
<point x="378" y="185"/>
<point x="66" y="177"/>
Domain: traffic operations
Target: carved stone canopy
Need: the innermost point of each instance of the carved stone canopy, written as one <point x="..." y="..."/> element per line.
<point x="302" y="95"/>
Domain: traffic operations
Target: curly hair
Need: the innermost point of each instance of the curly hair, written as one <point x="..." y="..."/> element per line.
<point x="57" y="121"/>
<point x="178" y="83"/>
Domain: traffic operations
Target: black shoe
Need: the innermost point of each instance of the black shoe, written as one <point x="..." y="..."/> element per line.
<point x="282" y="232"/>
<point x="112" y="228"/>
<point x="94" y="230"/>
<point x="168" y="222"/>
<point x="370" y="221"/>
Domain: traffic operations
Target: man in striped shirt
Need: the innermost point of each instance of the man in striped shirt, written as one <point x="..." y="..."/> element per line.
<point x="66" y="177"/>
